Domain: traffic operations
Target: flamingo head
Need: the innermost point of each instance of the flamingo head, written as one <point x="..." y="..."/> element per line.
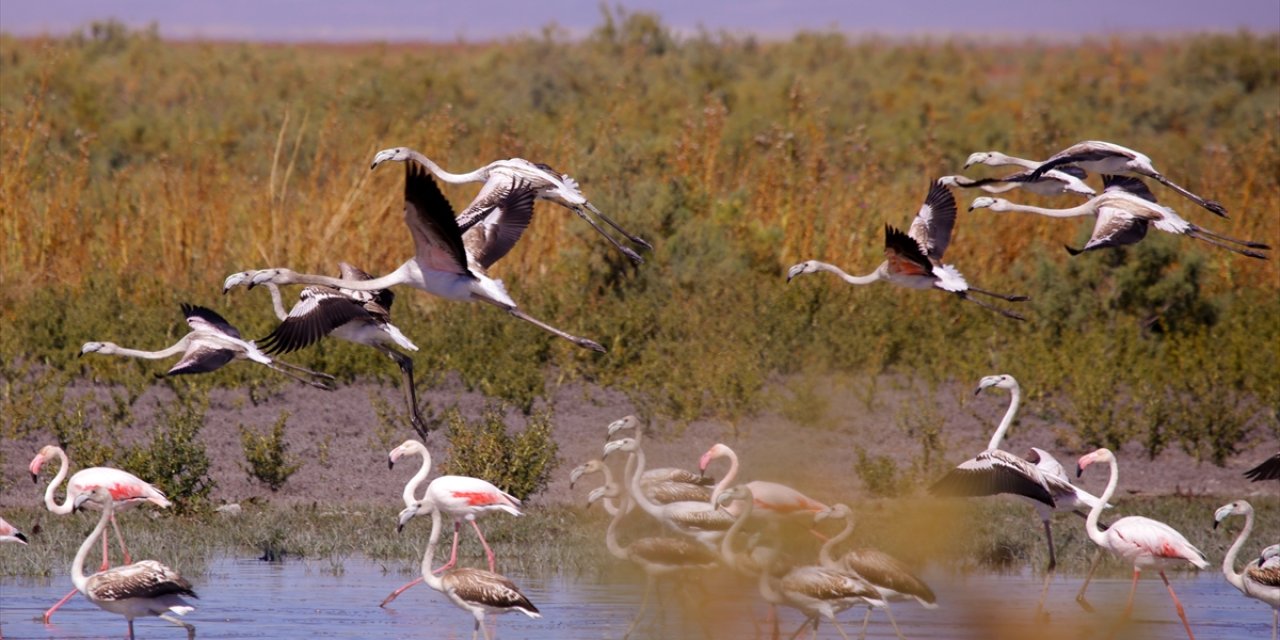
<point x="717" y="450"/>
<point x="236" y="280"/>
<point x="590" y="466"/>
<point x="987" y="202"/>
<point x="421" y="507"/>
<point x="993" y="158"/>
<point x="1003" y="381"/>
<point x="838" y="511"/>
<point x="740" y="492"/>
<point x="607" y="491"/>
<point x="624" y="444"/>
<point x="408" y="447"/>
<point x="100" y="497"/>
<point x="46" y="452"/>
<point x="1237" y="508"/>
<point x="808" y="266"/>
<point x="97" y="347"/>
<point x="1101" y="455"/>
<point x="396" y="154"/>
<point x="628" y="422"/>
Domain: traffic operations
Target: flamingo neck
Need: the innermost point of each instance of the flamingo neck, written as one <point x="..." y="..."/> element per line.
<point x="1229" y="562"/>
<point x="64" y="466"/>
<point x="637" y="495"/>
<point x="1001" y="160"/>
<point x="1015" y="399"/>
<point x="851" y="279"/>
<point x="277" y="303"/>
<point x="610" y="506"/>
<point x="77" y="566"/>
<point x="824" y="554"/>
<point x="1086" y="209"/>
<point x="411" y="487"/>
<point x="428" y="559"/>
<point x="1091" y="523"/>
<point x="178" y="347"/>
<point x="402" y="275"/>
<point x="479" y="175"/>
<point x="726" y="543"/>
<point x="611" y="535"/>
<point x="728" y="476"/>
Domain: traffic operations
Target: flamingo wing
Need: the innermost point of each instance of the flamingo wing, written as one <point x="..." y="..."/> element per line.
<point x="491" y="192"/>
<point x="1128" y="184"/>
<point x="122" y="485"/>
<point x="1267" y="576"/>
<point x="377" y="303"/>
<point x="672" y="552"/>
<point x="904" y="255"/>
<point x="1269" y="469"/>
<point x="436" y="236"/>
<point x="885" y="571"/>
<point x="488" y="589"/>
<point x="201" y="357"/>
<point x="991" y="473"/>
<point x="145" y="579"/>
<point x="1115" y="227"/>
<point x="201" y="318"/>
<point x="781" y="499"/>
<point x="318" y="313"/>
<point x="931" y="228"/>
<point x="503" y="226"/>
<point x="1136" y="536"/>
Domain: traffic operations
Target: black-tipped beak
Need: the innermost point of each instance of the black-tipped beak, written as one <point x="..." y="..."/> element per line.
<point x="977" y="391"/>
<point x="21" y="537"/>
<point x="399" y="527"/>
<point x="1079" y="470"/>
<point x="1216" y="523"/>
<point x="35" y="478"/>
<point x="971" y="207"/>
<point x="391" y="464"/>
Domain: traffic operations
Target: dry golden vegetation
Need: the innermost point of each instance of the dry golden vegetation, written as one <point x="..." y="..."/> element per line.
<point x="136" y="173"/>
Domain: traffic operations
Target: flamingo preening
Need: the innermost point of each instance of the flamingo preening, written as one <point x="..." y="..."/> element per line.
<point x="212" y="343"/>
<point x="914" y="259"/>
<point x="549" y="184"/>
<point x="459" y="497"/>
<point x="1268" y="469"/>
<point x="139" y="589"/>
<point x="1140" y="541"/>
<point x="446" y="262"/>
<point x="475" y="591"/>
<point x="1107" y="157"/>
<point x="126" y="489"/>
<point x="10" y="533"/>
<point x="362" y="317"/>
<point x="1254" y="581"/>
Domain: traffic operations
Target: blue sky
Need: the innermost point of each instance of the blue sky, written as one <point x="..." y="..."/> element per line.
<point x="397" y="20"/>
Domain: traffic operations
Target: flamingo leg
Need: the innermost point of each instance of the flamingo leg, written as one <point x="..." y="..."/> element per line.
<point x="1128" y="607"/>
<point x="49" y="614"/>
<point x="410" y="394"/>
<point x="131" y="630"/>
<point x="862" y="635"/>
<point x="1181" y="612"/>
<point x="453" y="555"/>
<point x="106" y="562"/>
<point x="487" y="551"/>
<point x="115" y="527"/>
<point x="396" y="594"/>
<point x="1093" y="566"/>
<point x="191" y="629"/>
<point x="314" y="383"/>
<point x="889" y="612"/>
<point x="1048" y="572"/>
<point x="835" y="624"/>
<point x="650" y="582"/>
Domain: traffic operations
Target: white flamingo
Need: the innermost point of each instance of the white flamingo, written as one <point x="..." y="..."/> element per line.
<point x="914" y="259"/>
<point x="362" y="317"/>
<point x="212" y="343"/>
<point x="1140" y="541"/>
<point x="141" y="589"/>
<point x="1254" y="581"/>
<point x="551" y="185"/>
<point x="445" y="263"/>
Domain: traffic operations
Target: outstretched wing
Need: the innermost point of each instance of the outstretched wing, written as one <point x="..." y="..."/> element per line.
<point x="377" y="303"/>
<point x="318" y="313"/>
<point x="1268" y="470"/>
<point x="201" y="358"/>
<point x="1130" y="184"/>
<point x="436" y="236"/>
<point x="904" y="254"/>
<point x="201" y="318"/>
<point x="503" y="226"/>
<point x="993" y="472"/>
<point x="932" y="225"/>
<point x="1114" y="227"/>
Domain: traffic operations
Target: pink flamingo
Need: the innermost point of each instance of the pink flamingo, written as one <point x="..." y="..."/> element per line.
<point x="126" y="490"/>
<point x="1141" y="541"/>
<point x="10" y="533"/>
<point x="772" y="501"/>
<point x="459" y="497"/>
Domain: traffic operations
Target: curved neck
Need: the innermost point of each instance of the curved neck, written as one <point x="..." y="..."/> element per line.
<point x="64" y="465"/>
<point x="434" y="581"/>
<point x="1229" y="562"/>
<point x="612" y="490"/>
<point x="77" y="566"/>
<point x="411" y="487"/>
<point x="636" y="494"/>
<point x="1015" y="398"/>
<point x="728" y="476"/>
<point x="726" y="543"/>
<point x="1091" y="523"/>
<point x="824" y="554"/>
<point x="174" y="350"/>
<point x="277" y="303"/>
<point x="1086" y="209"/>
<point x="851" y="279"/>
<point x="611" y="535"/>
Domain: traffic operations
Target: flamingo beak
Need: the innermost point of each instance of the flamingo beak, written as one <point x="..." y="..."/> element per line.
<point x="35" y="478"/>
<point x="1079" y="470"/>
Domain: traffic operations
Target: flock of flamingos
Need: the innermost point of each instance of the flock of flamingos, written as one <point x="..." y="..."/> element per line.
<point x="726" y="525"/>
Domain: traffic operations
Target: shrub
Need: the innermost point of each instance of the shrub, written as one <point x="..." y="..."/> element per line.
<point x="519" y="465"/>
<point x="175" y="460"/>
<point x="878" y="473"/>
<point x="267" y="455"/>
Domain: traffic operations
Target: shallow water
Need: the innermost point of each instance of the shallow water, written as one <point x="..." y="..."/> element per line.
<point x="243" y="598"/>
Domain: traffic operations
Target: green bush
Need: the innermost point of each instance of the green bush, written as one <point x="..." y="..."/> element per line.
<point x="520" y="465"/>
<point x="175" y="460"/>
<point x="267" y="454"/>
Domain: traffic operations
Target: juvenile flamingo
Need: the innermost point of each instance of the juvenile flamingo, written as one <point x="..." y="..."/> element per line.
<point x="459" y="497"/>
<point x="127" y="490"/>
<point x="1140" y="541"/>
<point x="701" y="520"/>
<point x="139" y="589"/>
<point x="1254" y="581"/>
<point x="10" y="533"/>
<point x="658" y="474"/>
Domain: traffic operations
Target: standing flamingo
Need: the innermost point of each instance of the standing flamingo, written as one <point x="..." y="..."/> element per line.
<point x="144" y="588"/>
<point x="475" y="591"/>
<point x="773" y="501"/>
<point x="1268" y="469"/>
<point x="701" y="520"/>
<point x="914" y="259"/>
<point x="1255" y="581"/>
<point x="459" y="497"/>
<point x="595" y="465"/>
<point x="10" y="533"/>
<point x="660" y="491"/>
<point x="212" y="343"/>
<point x="1143" y="542"/>
<point x="127" y="490"/>
<point x="446" y="262"/>
<point x="658" y="474"/>
<point x="362" y="317"/>
<point x="550" y="185"/>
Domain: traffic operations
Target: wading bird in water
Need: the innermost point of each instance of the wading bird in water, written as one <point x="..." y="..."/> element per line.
<point x="212" y="343"/>
<point x="1256" y="581"/>
<point x="445" y="263"/>
<point x="914" y="259"/>
<point x="549" y="184"/>
<point x="362" y="317"/>
<point x="126" y="489"/>
<point x="701" y="520"/>
<point x="141" y="589"/>
<point x="1141" y="542"/>
<point x="773" y="502"/>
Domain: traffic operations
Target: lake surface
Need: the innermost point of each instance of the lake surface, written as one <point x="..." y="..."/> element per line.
<point x="248" y="598"/>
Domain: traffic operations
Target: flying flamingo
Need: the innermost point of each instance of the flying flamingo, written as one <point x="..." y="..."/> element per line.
<point x="1255" y="581"/>
<point x="362" y="317"/>
<point x="127" y="490"/>
<point x="139" y="589"/>
<point x="1268" y="469"/>
<point x="882" y="571"/>
<point x="774" y="502"/>
<point x="659" y="474"/>
<point x="10" y="533"/>
<point x="446" y="262"/>
<point x="550" y="185"/>
<point x="701" y="520"/>
<point x="475" y="591"/>
<point x="1141" y="541"/>
<point x="1108" y="157"/>
<point x="459" y="497"/>
<point x="212" y="343"/>
<point x="914" y="259"/>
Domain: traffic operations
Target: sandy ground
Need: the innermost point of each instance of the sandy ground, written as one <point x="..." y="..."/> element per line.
<point x="817" y="458"/>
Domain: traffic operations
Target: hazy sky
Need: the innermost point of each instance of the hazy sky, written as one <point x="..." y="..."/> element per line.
<point x="345" y="20"/>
